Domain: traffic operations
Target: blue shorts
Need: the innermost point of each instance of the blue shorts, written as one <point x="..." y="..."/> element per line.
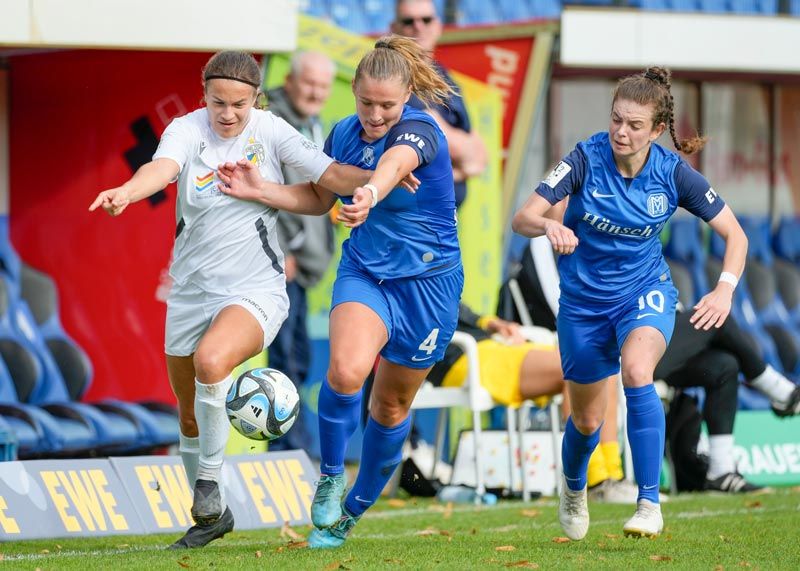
<point x="420" y="314"/>
<point x="590" y="338"/>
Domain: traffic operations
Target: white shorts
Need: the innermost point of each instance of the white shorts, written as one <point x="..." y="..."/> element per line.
<point x="190" y="311"/>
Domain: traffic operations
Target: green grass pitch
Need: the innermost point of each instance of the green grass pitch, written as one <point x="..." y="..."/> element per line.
<point x="712" y="532"/>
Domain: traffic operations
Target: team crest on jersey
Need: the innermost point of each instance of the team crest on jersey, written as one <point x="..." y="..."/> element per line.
<point x="368" y="156"/>
<point x="204" y="182"/>
<point x="657" y="204"/>
<point x="254" y="152"/>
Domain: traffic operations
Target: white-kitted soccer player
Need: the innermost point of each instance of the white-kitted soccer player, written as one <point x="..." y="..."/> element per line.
<point x="229" y="294"/>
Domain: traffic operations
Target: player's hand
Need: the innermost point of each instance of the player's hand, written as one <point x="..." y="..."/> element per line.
<point x="409" y="183"/>
<point x="510" y="331"/>
<point x="562" y="238"/>
<point x="355" y="214"/>
<point x="290" y="267"/>
<point x="713" y="309"/>
<point x="241" y="180"/>
<point x="113" y="201"/>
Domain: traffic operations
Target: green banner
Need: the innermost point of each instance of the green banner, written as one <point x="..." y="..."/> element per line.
<point x="767" y="450"/>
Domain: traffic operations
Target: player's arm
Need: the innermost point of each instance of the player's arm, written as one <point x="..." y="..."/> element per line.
<point x="146" y="181"/>
<point x="243" y="180"/>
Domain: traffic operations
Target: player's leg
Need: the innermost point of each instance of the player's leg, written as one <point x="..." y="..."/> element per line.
<point x="180" y="371"/>
<point x="641" y="351"/>
<point x="540" y="374"/>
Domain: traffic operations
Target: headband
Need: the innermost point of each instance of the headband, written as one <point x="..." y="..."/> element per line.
<point x="248" y="82"/>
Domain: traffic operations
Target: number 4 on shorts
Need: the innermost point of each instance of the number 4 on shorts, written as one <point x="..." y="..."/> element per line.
<point x="429" y="345"/>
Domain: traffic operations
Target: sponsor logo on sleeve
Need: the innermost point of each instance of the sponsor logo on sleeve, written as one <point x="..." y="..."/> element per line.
<point x="557" y="174"/>
<point x="711" y="195"/>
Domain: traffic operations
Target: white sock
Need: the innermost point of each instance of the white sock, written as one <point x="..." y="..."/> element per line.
<point x="720" y="451"/>
<point x="189" y="448"/>
<point x="774" y="385"/>
<point x="213" y="425"/>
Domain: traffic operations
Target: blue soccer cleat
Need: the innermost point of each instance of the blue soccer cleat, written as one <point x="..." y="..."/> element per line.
<point x="335" y="535"/>
<point x="326" y="509"/>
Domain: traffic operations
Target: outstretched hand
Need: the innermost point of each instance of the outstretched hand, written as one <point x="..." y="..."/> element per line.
<point x="113" y="201"/>
<point x="355" y="214"/>
<point x="713" y="309"/>
<point x="409" y="183"/>
<point x="241" y="180"/>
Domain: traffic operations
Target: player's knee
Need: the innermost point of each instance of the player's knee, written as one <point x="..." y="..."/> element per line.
<point x="211" y="364"/>
<point x="187" y="423"/>
<point x="346" y="377"/>
<point x="586" y="422"/>
<point x="389" y="411"/>
<point x="636" y="375"/>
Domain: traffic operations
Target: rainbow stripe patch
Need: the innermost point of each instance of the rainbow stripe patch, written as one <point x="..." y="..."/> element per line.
<point x="202" y="183"/>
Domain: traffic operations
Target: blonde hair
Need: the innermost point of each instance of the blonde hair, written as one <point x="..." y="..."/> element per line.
<point x="396" y="56"/>
<point x="653" y="87"/>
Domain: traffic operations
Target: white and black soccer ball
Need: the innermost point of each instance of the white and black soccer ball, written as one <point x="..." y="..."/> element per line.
<point x="262" y="404"/>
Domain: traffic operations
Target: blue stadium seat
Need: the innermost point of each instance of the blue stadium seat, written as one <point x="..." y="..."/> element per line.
<point x="786" y="239"/>
<point x="379" y="15"/>
<point x="478" y="12"/>
<point x="349" y="14"/>
<point x="714" y="6"/>
<point x="794" y="7"/>
<point x="685" y="247"/>
<point x="157" y="424"/>
<point x="514" y="11"/>
<point x="316" y="8"/>
<point x="545" y="8"/>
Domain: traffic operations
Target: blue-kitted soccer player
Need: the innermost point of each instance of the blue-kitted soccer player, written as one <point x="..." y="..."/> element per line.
<point x="617" y="296"/>
<point x="399" y="280"/>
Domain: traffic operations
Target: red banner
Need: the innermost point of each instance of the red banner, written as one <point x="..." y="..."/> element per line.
<point x="502" y="63"/>
<point x="98" y="116"/>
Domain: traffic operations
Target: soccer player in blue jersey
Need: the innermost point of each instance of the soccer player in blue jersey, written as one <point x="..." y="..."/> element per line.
<point x="617" y="297"/>
<point x="399" y="280"/>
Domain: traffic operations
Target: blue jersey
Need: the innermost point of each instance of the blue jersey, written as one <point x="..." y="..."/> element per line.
<point x="406" y="235"/>
<point x="617" y="220"/>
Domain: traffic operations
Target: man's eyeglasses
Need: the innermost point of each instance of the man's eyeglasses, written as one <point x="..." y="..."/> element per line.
<point x="410" y="21"/>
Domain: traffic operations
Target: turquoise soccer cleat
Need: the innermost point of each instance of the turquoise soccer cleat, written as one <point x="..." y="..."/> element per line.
<point x="326" y="509"/>
<point x="335" y="535"/>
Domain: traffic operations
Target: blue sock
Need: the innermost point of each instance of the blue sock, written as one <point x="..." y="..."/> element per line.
<point x="575" y="451"/>
<point x="381" y="452"/>
<point x="338" y="419"/>
<point x="646" y="430"/>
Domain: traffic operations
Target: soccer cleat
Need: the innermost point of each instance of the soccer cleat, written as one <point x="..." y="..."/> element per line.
<point x="646" y="522"/>
<point x="791" y="407"/>
<point x="201" y="535"/>
<point x="335" y="535"/>
<point x="326" y="509"/>
<point x="573" y="512"/>
<point x="731" y="483"/>
<point x="207" y="502"/>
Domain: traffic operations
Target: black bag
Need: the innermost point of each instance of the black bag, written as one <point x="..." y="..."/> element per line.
<point x="683" y="433"/>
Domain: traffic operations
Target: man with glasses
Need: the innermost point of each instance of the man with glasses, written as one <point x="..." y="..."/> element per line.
<point x="418" y="19"/>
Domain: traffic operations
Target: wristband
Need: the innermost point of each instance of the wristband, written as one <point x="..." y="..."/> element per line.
<point x="374" y="190"/>
<point x="729" y="278"/>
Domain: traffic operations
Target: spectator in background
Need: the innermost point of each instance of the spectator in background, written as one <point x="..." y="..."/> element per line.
<point x="307" y="241"/>
<point x="418" y="19"/>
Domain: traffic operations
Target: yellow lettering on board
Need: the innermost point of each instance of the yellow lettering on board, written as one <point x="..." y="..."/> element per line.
<point x="279" y="486"/>
<point x="153" y="497"/>
<point x="118" y="521"/>
<point x="305" y="492"/>
<point x="249" y="475"/>
<point x="84" y="499"/>
<point x="8" y="523"/>
<point x="50" y="480"/>
<point x="173" y="483"/>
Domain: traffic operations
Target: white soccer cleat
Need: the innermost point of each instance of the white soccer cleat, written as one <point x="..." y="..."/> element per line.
<point x="573" y="512"/>
<point x="646" y="522"/>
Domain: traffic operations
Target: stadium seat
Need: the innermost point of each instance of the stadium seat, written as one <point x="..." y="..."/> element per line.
<point x="349" y="14"/>
<point x="478" y="12"/>
<point x="316" y="8"/>
<point x="515" y="10"/>
<point x="786" y="239"/>
<point x="684" y="248"/>
<point x="156" y="425"/>
<point x="545" y="8"/>
<point x="379" y="15"/>
<point x="714" y="6"/>
<point x="38" y="380"/>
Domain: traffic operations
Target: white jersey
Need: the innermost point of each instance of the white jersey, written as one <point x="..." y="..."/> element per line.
<point x="225" y="245"/>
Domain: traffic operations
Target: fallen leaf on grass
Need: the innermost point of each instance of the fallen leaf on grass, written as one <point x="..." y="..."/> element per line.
<point x="523" y="563"/>
<point x="561" y="540"/>
<point x="45" y="551"/>
<point x="184" y="565"/>
<point x="719" y="568"/>
<point x="753" y="504"/>
<point x="611" y="535"/>
<point x="744" y="564"/>
<point x="505" y="548"/>
<point x="723" y="538"/>
<point x="395" y="503"/>
<point x="660" y="558"/>
<point x="280" y="549"/>
<point x="288" y="533"/>
<point x="531" y="513"/>
<point x="120" y="546"/>
<point x="58" y="546"/>
<point x="258" y="555"/>
<point x="297" y="544"/>
<point x="432" y="531"/>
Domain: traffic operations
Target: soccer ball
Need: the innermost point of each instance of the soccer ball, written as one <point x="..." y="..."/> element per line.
<point x="262" y="404"/>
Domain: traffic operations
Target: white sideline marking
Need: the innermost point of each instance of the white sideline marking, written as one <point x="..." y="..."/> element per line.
<point x="533" y="525"/>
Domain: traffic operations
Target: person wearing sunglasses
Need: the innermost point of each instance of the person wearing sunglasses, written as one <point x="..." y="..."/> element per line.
<point x="417" y="19"/>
